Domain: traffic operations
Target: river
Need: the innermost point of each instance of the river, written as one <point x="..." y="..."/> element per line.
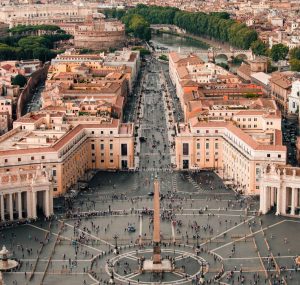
<point x="176" y="43"/>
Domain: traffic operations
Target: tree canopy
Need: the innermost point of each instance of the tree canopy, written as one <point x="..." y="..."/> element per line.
<point x="295" y="59"/>
<point x="19" y="80"/>
<point x="279" y="52"/>
<point x="258" y="47"/>
<point x="138" y="26"/>
<point x="22" y="46"/>
<point x="214" y="25"/>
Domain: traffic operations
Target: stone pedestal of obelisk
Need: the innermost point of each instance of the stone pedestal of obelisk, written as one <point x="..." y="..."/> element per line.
<point x="156" y="223"/>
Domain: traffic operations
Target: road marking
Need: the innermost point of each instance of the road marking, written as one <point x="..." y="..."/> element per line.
<point x="249" y="235"/>
<point x="93" y="236"/>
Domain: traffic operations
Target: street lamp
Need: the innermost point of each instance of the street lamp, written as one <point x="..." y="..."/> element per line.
<point x="116" y="250"/>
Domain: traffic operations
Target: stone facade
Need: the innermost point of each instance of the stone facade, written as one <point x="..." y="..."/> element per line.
<point x="99" y="34"/>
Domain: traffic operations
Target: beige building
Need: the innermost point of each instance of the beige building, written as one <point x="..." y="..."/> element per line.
<point x="66" y="146"/>
<point x="5" y="114"/>
<point x="281" y="86"/>
<point x="222" y="145"/>
<point x="11" y="14"/>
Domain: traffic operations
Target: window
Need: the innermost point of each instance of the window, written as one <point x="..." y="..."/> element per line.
<point x="93" y="132"/>
<point x="110" y="146"/>
<point x="101" y="132"/>
<point x="111" y="161"/>
<point x="268" y="155"/>
<point x="198" y="145"/>
<point x="216" y="145"/>
<point x="279" y="155"/>
<point x="102" y="161"/>
<point x="207" y="145"/>
<point x="207" y="159"/>
<point x="207" y="131"/>
<point x="54" y="172"/>
<point x="198" y="131"/>
<point x="255" y="119"/>
<point x="123" y="149"/>
<point x="5" y="160"/>
<point x="32" y="158"/>
<point x="185" y="149"/>
<point x="102" y="146"/>
<point x="216" y="131"/>
<point x="54" y="189"/>
<point x="111" y="132"/>
<point x="257" y="187"/>
<point x="19" y="159"/>
<point x="92" y="146"/>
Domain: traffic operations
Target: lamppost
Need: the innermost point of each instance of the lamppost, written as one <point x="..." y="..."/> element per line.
<point x="197" y="237"/>
<point x="116" y="250"/>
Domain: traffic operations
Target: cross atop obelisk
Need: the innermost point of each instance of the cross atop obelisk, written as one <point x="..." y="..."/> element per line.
<point x="156" y="223"/>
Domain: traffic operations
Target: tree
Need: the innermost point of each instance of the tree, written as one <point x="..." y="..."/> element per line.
<point x="295" y="64"/>
<point x="19" y="80"/>
<point x="259" y="47"/>
<point x="295" y="53"/>
<point x="138" y="26"/>
<point x="279" y="52"/>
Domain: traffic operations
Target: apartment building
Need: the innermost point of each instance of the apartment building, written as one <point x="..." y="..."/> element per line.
<point x="238" y="154"/>
<point x="65" y="147"/>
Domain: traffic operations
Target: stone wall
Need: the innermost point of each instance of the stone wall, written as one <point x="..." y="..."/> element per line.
<point x="26" y="94"/>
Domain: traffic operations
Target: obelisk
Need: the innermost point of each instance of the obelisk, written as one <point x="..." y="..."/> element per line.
<point x="156" y="223"/>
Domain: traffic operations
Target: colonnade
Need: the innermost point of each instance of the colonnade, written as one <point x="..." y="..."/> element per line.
<point x="25" y="204"/>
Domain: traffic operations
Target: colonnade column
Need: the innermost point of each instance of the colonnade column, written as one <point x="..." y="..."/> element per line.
<point x="33" y="204"/>
<point x="2" y="207"/>
<point x="284" y="192"/>
<point x="20" y="204"/>
<point x="293" y="201"/>
<point x="28" y="205"/>
<point x="11" y="209"/>
<point x="47" y="203"/>
<point x="263" y="196"/>
<point x="278" y="203"/>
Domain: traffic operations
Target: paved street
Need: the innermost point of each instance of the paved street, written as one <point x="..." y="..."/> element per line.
<point x="205" y="227"/>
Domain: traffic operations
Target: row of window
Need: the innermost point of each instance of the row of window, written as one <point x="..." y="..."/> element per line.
<point x="249" y="119"/>
<point x="124" y="149"/>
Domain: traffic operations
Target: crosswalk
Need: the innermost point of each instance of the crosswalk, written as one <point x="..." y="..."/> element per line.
<point x="193" y="182"/>
<point x="174" y="183"/>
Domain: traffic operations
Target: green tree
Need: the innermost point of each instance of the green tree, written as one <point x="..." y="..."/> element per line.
<point x="259" y="47"/>
<point x="295" y="53"/>
<point x="19" y="80"/>
<point x="138" y="26"/>
<point x="295" y="64"/>
<point x="279" y="52"/>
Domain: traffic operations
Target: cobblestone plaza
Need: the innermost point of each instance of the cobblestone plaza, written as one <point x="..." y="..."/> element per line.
<point x="205" y="226"/>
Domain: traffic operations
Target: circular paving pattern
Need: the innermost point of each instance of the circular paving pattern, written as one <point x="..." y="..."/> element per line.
<point x="126" y="267"/>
